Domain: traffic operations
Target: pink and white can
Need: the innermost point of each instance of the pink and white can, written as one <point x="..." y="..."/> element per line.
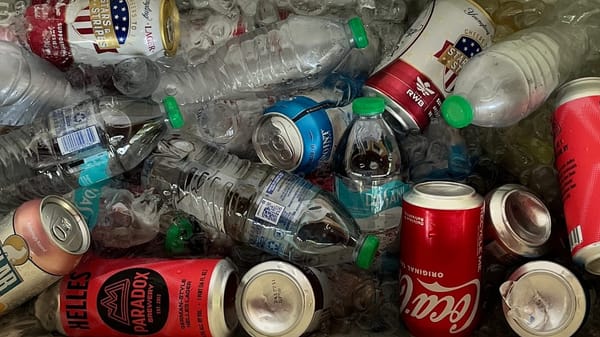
<point x="440" y="259"/>
<point x="423" y="68"/>
<point x="576" y="124"/>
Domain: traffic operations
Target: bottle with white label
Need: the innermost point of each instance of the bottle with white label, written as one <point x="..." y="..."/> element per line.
<point x="257" y="204"/>
<point x="81" y="145"/>
<point x="368" y="176"/>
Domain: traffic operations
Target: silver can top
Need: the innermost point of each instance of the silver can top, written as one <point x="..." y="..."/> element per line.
<point x="520" y="219"/>
<point x="443" y="195"/>
<point x="65" y="225"/>
<point x="222" y="317"/>
<point x="543" y="298"/>
<point x="275" y="298"/>
<point x="581" y="87"/>
<point x="278" y="142"/>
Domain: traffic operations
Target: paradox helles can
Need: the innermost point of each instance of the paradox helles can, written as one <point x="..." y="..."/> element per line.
<point x="440" y="259"/>
<point x="156" y="297"/>
<point x="576" y="123"/>
<point x="429" y="57"/>
<point x="42" y="240"/>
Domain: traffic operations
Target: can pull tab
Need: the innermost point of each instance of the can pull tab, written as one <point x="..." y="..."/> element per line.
<point x="526" y="305"/>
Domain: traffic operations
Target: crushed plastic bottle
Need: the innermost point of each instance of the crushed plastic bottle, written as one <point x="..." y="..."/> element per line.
<point x="259" y="205"/>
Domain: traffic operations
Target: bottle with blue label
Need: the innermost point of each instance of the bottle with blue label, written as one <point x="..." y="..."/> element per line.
<point x="80" y="145"/>
<point x="367" y="167"/>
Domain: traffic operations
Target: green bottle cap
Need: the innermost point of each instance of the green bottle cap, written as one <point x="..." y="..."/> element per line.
<point x="173" y="112"/>
<point x="368" y="106"/>
<point x="359" y="33"/>
<point x="367" y="252"/>
<point x="457" y="111"/>
<point x="181" y="230"/>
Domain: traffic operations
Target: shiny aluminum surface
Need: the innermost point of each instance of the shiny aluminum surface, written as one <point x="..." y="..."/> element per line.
<point x="545" y="298"/>
<point x="275" y="298"/>
<point x="581" y="87"/>
<point x="65" y="225"/>
<point x="518" y="222"/>
<point x="278" y="142"/>
<point x="443" y="195"/>
<point x="222" y="318"/>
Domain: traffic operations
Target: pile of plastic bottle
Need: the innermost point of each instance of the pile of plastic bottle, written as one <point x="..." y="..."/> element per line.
<point x="181" y="151"/>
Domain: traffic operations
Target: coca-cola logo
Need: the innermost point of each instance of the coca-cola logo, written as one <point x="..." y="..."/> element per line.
<point x="437" y="303"/>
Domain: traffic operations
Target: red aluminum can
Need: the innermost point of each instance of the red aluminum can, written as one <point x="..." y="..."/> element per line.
<point x="440" y="259"/>
<point x="576" y="124"/>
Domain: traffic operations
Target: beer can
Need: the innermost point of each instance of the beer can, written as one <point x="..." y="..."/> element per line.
<point x="423" y="68"/>
<point x="299" y="135"/>
<point x="100" y="32"/>
<point x="42" y="240"/>
<point x="137" y="296"/>
<point x="576" y="123"/>
<point x="517" y="224"/>
<point x="440" y="259"/>
<point x="276" y="298"/>
<point x="543" y="298"/>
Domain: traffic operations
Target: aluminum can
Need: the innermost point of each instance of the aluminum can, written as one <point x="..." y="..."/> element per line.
<point x="100" y="32"/>
<point x="576" y="123"/>
<point x="440" y="259"/>
<point x="276" y="298"/>
<point x="137" y="296"/>
<point x="423" y="68"/>
<point x="42" y="240"/>
<point x="300" y="135"/>
<point x="517" y="224"/>
<point x="543" y="298"/>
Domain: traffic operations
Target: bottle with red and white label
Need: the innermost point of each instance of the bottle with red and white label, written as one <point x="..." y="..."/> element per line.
<point x="441" y="248"/>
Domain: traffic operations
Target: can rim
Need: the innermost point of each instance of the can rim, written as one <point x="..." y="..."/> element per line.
<point x="503" y="227"/>
<point x="404" y="118"/>
<point x="219" y="316"/>
<point x="578" y="88"/>
<point x="74" y="213"/>
<point x="568" y="279"/>
<point x="422" y="194"/>
<point x="169" y="26"/>
<point x="296" y="277"/>
<point x="294" y="164"/>
<point x="589" y="257"/>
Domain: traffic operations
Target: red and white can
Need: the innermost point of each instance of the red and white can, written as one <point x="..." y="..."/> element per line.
<point x="156" y="297"/>
<point x="440" y="259"/>
<point x="101" y="31"/>
<point x="576" y="125"/>
<point x="423" y="68"/>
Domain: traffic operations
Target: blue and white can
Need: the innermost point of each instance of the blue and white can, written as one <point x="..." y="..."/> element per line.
<point x="300" y="134"/>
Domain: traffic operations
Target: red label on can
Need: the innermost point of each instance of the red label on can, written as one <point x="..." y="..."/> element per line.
<point x="126" y="297"/>
<point x="410" y="89"/>
<point x="576" y="125"/>
<point x="440" y="270"/>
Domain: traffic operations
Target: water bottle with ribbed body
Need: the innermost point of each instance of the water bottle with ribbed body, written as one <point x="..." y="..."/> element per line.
<point x="294" y="53"/>
<point x="80" y="145"/>
<point x="257" y="204"/>
<point x="30" y="86"/>
<point x="508" y="81"/>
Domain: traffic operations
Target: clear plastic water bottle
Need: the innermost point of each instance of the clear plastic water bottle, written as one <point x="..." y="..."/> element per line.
<point x="368" y="171"/>
<point x="81" y="145"/>
<point x="30" y="86"/>
<point x="259" y="205"/>
<point x="296" y="53"/>
<point x="505" y="83"/>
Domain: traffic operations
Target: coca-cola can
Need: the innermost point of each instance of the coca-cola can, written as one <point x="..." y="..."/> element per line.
<point x="576" y="123"/>
<point x="277" y="299"/>
<point x="517" y="224"/>
<point x="101" y="31"/>
<point x="543" y="298"/>
<point x="40" y="241"/>
<point x="423" y="68"/>
<point x="440" y="259"/>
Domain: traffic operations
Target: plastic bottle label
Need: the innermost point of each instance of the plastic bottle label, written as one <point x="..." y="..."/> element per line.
<point x="273" y="221"/>
<point x="125" y="297"/>
<point x="94" y="169"/>
<point x="87" y="201"/>
<point x="369" y="202"/>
